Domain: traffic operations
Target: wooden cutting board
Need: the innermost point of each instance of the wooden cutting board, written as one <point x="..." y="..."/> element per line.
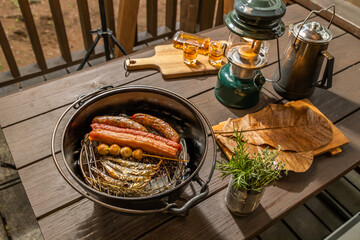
<point x="332" y="148"/>
<point x="169" y="61"/>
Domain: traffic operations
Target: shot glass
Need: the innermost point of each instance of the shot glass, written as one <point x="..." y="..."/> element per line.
<point x="190" y="50"/>
<point x="216" y="52"/>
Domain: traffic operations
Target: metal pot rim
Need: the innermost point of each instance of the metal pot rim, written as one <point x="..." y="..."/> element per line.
<point x="136" y="88"/>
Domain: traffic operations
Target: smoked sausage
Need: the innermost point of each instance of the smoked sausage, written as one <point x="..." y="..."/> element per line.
<point x="161" y="126"/>
<point x="119" y="121"/>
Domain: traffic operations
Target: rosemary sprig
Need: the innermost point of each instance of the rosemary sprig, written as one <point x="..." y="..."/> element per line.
<point x="251" y="172"/>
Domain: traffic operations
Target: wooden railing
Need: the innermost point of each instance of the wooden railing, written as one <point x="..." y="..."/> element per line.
<point x="195" y="15"/>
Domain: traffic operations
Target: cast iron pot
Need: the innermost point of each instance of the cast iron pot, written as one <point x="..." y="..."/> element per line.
<point x="180" y="113"/>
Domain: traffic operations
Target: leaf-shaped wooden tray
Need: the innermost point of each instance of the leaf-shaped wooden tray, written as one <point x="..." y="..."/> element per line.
<point x="301" y="161"/>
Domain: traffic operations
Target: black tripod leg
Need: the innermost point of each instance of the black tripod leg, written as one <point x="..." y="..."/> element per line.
<point x="106" y="47"/>
<point x="118" y="44"/>
<point x="89" y="52"/>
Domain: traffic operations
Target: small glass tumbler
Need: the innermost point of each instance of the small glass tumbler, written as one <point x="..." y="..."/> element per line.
<point x="216" y="52"/>
<point x="190" y="50"/>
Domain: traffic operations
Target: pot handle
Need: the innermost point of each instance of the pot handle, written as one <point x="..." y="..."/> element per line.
<point x="184" y="210"/>
<point x="328" y="71"/>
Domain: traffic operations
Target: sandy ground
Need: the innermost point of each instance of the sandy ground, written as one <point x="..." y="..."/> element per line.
<point x="13" y="23"/>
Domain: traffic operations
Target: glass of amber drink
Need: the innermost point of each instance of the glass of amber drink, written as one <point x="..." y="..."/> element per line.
<point x="216" y="52"/>
<point x="190" y="50"/>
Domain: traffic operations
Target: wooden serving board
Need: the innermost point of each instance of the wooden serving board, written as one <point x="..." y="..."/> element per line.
<point x="332" y="148"/>
<point x="169" y="61"/>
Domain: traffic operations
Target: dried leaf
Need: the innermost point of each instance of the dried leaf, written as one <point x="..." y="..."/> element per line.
<point x="294" y="161"/>
<point x="297" y="129"/>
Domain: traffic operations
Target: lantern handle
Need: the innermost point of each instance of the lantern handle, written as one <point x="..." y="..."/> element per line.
<point x="279" y="65"/>
<point x="316" y="11"/>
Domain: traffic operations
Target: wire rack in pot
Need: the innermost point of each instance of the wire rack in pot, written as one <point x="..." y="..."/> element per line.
<point x="147" y="177"/>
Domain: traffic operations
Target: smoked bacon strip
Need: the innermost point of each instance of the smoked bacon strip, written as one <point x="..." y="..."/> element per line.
<point x="132" y="131"/>
<point x="134" y="141"/>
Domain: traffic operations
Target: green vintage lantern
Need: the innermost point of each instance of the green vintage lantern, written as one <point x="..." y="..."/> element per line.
<point x="252" y="23"/>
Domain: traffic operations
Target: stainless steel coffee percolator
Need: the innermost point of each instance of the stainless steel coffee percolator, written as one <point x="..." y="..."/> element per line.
<point x="302" y="61"/>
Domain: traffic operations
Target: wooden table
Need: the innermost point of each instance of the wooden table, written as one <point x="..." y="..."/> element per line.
<point x="28" y="118"/>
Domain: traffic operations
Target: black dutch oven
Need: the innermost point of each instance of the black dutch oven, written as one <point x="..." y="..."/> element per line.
<point x="180" y="113"/>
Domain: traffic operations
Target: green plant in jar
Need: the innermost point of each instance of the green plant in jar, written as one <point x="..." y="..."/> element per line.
<point x="250" y="174"/>
<point x="251" y="171"/>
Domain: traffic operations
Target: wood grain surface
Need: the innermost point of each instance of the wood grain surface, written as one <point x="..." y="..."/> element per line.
<point x="170" y="62"/>
<point x="28" y="118"/>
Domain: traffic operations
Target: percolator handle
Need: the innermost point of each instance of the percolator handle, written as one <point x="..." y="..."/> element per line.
<point x="315" y="11"/>
<point x="328" y="72"/>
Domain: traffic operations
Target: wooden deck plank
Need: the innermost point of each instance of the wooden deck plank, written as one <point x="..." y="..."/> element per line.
<point x="95" y="222"/>
<point x="327" y="215"/>
<point x="32" y="133"/>
<point x="343" y="188"/>
<point x="278" y="231"/>
<point x="16" y="210"/>
<point x="294" y="13"/>
<point x="300" y="220"/>
<point x="32" y="82"/>
<point x="354" y="178"/>
<point x="344" y="94"/>
<point x="13" y="88"/>
<point x="56" y="74"/>
<point x="46" y="196"/>
<point x="346" y="56"/>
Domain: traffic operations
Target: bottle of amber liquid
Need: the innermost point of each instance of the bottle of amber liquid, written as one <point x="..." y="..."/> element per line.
<point x="180" y="37"/>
